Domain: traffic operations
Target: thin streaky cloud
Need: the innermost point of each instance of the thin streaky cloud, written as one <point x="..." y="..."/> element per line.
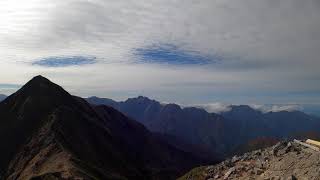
<point x="65" y="61"/>
<point x="246" y="49"/>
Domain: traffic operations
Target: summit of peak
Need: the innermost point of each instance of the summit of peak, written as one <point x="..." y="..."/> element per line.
<point x="39" y="79"/>
<point x="40" y="86"/>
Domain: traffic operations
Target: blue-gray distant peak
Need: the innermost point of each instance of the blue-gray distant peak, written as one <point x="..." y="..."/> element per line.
<point x="2" y="97"/>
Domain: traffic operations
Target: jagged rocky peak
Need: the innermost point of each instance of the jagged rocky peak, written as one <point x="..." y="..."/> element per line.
<point x="172" y="108"/>
<point x="243" y="108"/>
<point x="139" y="99"/>
<point x="142" y="98"/>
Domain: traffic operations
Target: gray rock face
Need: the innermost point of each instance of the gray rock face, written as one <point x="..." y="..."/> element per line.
<point x="283" y="161"/>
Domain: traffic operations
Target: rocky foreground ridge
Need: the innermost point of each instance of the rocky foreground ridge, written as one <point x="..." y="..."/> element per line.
<point x="283" y="161"/>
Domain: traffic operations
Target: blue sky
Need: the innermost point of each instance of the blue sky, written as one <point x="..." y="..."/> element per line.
<point x="188" y="52"/>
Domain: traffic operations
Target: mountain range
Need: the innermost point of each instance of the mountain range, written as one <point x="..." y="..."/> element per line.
<point x="221" y="133"/>
<point x="46" y="133"/>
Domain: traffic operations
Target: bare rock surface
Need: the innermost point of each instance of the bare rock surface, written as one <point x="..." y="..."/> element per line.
<point x="283" y="161"/>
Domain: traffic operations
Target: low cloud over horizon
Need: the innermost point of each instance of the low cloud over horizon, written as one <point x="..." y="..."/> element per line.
<point x="191" y="52"/>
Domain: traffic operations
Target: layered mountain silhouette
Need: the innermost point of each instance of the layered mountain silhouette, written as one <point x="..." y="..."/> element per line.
<point x="252" y="123"/>
<point x="222" y="133"/>
<point x="192" y="125"/>
<point x="46" y="133"/>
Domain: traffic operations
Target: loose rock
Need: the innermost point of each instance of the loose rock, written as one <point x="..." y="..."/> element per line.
<point x="230" y="171"/>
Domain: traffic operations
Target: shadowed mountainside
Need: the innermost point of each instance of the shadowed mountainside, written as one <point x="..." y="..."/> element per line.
<point x="46" y="133"/>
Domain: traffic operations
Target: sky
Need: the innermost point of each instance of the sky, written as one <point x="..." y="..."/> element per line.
<point x="211" y="52"/>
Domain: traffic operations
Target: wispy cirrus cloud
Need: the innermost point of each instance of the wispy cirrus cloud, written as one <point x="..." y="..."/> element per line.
<point x="64" y="61"/>
<point x="187" y="51"/>
<point x="173" y="55"/>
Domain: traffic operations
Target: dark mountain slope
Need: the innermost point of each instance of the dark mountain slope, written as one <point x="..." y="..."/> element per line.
<point x="220" y="133"/>
<point x="47" y="133"/>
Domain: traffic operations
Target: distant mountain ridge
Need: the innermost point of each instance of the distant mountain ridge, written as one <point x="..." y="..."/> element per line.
<point x="2" y="97"/>
<point x="46" y="133"/>
<point x="173" y="120"/>
<point x="219" y="132"/>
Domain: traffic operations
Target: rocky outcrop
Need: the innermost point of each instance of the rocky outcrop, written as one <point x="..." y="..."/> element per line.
<point x="283" y="161"/>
